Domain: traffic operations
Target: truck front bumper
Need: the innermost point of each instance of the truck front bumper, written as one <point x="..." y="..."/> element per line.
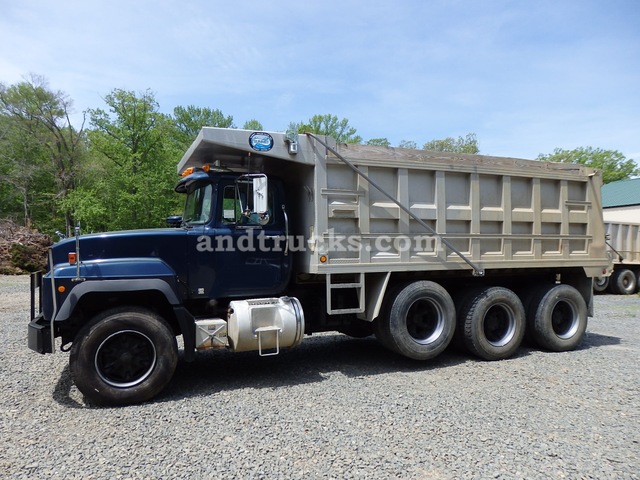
<point x="38" y="331"/>
<point x="39" y="336"/>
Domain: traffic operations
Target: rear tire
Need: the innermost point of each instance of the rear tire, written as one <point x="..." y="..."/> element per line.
<point x="557" y="318"/>
<point x="123" y="356"/>
<point x="600" y="284"/>
<point x="623" y="282"/>
<point x="418" y="322"/>
<point x="491" y="323"/>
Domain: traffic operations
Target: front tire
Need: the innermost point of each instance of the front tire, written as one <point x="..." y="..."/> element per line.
<point x="419" y="321"/>
<point x="123" y="356"/>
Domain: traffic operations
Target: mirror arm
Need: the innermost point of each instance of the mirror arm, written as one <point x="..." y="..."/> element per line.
<point x="286" y="231"/>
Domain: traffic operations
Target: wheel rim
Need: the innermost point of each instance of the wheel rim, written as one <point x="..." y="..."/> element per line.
<point x="425" y="321"/>
<point x="628" y="282"/>
<point x="564" y="319"/>
<point x="125" y="359"/>
<point x="499" y="325"/>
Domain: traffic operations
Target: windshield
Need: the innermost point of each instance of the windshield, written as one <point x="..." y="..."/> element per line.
<point x="197" y="209"/>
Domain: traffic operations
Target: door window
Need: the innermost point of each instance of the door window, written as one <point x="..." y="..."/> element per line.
<point x="234" y="200"/>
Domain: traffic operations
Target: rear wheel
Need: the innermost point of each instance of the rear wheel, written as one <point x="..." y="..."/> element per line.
<point x="123" y="356"/>
<point x="623" y="282"/>
<point x="491" y="323"/>
<point x="600" y="284"/>
<point x="418" y="322"/>
<point x="557" y="318"/>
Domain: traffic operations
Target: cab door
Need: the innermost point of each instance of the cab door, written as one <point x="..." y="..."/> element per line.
<point x="241" y="255"/>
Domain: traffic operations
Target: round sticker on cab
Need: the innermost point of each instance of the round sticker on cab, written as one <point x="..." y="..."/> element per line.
<point x="261" y="141"/>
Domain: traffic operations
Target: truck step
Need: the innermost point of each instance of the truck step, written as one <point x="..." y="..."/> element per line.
<point x="268" y="330"/>
<point x="357" y="286"/>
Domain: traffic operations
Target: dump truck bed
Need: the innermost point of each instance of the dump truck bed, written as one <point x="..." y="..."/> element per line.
<point x="625" y="240"/>
<point x="499" y="213"/>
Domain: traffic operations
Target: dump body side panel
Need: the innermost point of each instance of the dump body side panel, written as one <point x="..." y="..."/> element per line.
<point x="625" y="240"/>
<point x="500" y="213"/>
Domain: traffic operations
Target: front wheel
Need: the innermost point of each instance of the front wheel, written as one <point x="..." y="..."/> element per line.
<point x="123" y="356"/>
<point x="418" y="322"/>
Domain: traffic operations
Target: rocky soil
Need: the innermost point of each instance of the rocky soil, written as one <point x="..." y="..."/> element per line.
<point x="334" y="407"/>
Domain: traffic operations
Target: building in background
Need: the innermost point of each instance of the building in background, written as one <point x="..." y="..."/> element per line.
<point x="621" y="201"/>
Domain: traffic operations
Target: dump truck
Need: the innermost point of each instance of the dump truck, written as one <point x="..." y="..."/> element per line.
<point x="623" y="241"/>
<point x="285" y="235"/>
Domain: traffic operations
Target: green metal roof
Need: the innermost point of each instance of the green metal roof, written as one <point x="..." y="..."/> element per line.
<point x="621" y="193"/>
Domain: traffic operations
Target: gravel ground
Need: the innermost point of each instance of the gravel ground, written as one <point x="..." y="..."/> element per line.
<point x="334" y="407"/>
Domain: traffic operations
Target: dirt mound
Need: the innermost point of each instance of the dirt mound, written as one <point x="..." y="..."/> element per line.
<point x="22" y="250"/>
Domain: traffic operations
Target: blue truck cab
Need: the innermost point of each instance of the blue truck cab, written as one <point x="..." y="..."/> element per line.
<point x="219" y="250"/>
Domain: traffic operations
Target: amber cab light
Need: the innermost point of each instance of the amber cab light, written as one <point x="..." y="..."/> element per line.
<point x="72" y="258"/>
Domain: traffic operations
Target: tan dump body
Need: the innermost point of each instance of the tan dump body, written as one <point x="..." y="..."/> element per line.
<point x="500" y="213"/>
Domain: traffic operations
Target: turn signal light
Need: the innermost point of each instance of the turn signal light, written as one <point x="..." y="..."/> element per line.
<point x="205" y="168"/>
<point x="61" y="289"/>
<point x="72" y="258"/>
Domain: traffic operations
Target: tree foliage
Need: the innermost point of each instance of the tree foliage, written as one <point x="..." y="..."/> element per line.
<point x="120" y="171"/>
<point x="614" y="165"/>
<point x="132" y="148"/>
<point x="381" y="142"/>
<point x="252" y="124"/>
<point x="188" y="122"/>
<point x="466" y="144"/>
<point x="408" y="144"/>
<point x="328" y="125"/>
<point x="26" y="182"/>
<point x="41" y="115"/>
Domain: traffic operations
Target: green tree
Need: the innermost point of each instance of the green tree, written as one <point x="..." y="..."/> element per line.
<point x="42" y="115"/>
<point x="134" y="165"/>
<point x="408" y="144"/>
<point x="466" y="144"/>
<point x="190" y="120"/>
<point x="381" y="142"/>
<point x="27" y="186"/>
<point x="252" y="124"/>
<point x="614" y="165"/>
<point x="328" y="125"/>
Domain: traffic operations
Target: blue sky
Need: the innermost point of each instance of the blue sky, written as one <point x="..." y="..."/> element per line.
<point x="524" y="76"/>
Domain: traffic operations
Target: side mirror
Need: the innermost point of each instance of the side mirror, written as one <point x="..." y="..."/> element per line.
<point x="174" y="221"/>
<point x="260" y="194"/>
<point x="252" y="196"/>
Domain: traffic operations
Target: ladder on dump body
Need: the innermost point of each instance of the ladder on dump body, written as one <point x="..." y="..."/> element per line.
<point x="357" y="286"/>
